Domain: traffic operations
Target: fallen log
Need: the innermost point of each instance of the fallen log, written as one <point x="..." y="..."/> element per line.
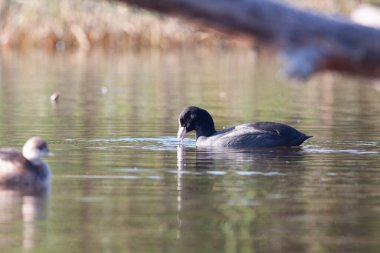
<point x="310" y="42"/>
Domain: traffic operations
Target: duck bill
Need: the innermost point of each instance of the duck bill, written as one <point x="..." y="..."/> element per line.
<point x="181" y="133"/>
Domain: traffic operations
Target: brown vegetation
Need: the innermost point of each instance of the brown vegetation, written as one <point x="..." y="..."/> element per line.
<point x="71" y="25"/>
<point x="56" y="25"/>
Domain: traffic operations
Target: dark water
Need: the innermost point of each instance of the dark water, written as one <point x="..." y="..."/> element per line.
<point x="121" y="183"/>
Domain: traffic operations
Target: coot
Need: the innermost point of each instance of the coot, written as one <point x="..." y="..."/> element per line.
<point x="250" y="135"/>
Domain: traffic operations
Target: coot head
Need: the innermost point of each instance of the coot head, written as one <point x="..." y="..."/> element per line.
<point x="35" y="149"/>
<point x="195" y="118"/>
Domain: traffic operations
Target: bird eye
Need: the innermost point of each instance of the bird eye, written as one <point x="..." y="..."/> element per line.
<point x="43" y="147"/>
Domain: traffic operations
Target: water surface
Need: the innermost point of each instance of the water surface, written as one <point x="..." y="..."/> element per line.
<point x="122" y="183"/>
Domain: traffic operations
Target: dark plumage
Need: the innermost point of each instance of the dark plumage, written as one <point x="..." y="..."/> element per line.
<point x="250" y="135"/>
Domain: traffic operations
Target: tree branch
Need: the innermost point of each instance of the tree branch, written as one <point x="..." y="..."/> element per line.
<point x="308" y="41"/>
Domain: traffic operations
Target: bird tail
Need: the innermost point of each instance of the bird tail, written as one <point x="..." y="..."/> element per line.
<point x="301" y="139"/>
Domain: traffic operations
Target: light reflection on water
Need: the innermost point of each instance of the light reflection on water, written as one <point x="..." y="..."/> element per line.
<point x="155" y="143"/>
<point x="123" y="183"/>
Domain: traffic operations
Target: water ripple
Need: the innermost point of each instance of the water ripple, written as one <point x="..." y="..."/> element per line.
<point x="251" y="173"/>
<point x="128" y="177"/>
<point x="133" y="170"/>
<point x="184" y="172"/>
<point x="147" y="143"/>
<point x="343" y="151"/>
<point x="216" y="172"/>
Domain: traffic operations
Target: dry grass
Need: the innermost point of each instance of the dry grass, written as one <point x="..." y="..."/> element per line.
<point x="57" y="25"/>
<point x="87" y="24"/>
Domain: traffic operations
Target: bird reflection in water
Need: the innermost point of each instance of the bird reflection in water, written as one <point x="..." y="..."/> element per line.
<point x="21" y="208"/>
<point x="261" y="159"/>
<point x="217" y="181"/>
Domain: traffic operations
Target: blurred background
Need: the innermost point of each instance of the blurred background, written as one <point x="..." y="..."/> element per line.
<point x="121" y="182"/>
<point x="72" y="25"/>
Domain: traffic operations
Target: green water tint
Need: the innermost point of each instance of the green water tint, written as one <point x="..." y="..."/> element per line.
<point x="121" y="182"/>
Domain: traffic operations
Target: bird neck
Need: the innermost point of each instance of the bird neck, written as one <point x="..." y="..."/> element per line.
<point x="204" y="131"/>
<point x="32" y="157"/>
